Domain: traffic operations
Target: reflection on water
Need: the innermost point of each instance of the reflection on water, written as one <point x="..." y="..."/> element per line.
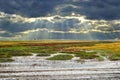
<point x="36" y="68"/>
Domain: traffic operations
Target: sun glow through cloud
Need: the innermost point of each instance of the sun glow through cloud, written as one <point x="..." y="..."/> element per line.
<point x="85" y="26"/>
<point x="64" y="21"/>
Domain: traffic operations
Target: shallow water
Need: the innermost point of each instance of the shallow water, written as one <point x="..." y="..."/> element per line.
<point x="37" y="68"/>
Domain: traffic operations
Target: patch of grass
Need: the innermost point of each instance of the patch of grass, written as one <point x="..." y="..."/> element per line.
<point x="108" y="49"/>
<point x="114" y="57"/>
<point x="87" y="55"/>
<point x="102" y="52"/>
<point x="6" y="60"/>
<point x="99" y="58"/>
<point x="8" y="54"/>
<point x="41" y="49"/>
<point x="84" y="54"/>
<point x="43" y="54"/>
<point x="61" y="57"/>
<point x="5" y="55"/>
<point x="20" y="53"/>
<point x="14" y="51"/>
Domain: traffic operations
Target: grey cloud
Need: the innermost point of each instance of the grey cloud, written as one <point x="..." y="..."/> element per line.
<point x="93" y="9"/>
<point x="61" y="27"/>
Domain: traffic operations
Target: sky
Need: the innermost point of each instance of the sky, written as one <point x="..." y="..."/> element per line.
<point x="59" y="19"/>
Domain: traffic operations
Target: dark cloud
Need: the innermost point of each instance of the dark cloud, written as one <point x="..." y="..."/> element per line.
<point x="93" y="9"/>
<point x="61" y="27"/>
<point x="30" y="8"/>
<point x="13" y="27"/>
<point x="102" y="9"/>
<point x="17" y="27"/>
<point x="6" y="34"/>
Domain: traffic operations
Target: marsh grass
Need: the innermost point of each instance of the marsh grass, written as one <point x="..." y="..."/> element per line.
<point x="6" y="60"/>
<point x="87" y="55"/>
<point x="84" y="54"/>
<point x="61" y="57"/>
<point x="43" y="54"/>
<point x="13" y="51"/>
<point x="114" y="57"/>
<point x="100" y="58"/>
<point x="108" y="49"/>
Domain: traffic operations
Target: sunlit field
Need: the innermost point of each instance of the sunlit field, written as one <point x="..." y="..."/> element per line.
<point x="97" y="50"/>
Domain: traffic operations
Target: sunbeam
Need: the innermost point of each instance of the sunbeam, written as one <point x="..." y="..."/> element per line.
<point x="65" y="20"/>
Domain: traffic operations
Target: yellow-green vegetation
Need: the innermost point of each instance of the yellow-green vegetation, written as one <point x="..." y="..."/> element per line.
<point x="5" y="55"/>
<point x="14" y="51"/>
<point x="114" y="57"/>
<point x="41" y="49"/>
<point x="61" y="57"/>
<point x="84" y="54"/>
<point x="6" y="60"/>
<point x="87" y="55"/>
<point x="108" y="49"/>
<point x="100" y="58"/>
<point x="43" y="54"/>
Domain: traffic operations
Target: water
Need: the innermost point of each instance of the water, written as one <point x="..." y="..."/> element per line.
<point x="37" y="68"/>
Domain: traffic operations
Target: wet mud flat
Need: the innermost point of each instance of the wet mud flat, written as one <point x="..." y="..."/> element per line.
<point x="38" y="68"/>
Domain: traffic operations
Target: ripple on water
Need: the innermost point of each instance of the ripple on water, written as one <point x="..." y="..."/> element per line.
<point x="33" y="68"/>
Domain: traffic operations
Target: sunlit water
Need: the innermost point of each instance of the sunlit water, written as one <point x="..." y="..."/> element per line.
<point x="37" y="68"/>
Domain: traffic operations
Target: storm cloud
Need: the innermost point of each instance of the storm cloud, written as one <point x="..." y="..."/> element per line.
<point x="60" y="19"/>
<point x="93" y="9"/>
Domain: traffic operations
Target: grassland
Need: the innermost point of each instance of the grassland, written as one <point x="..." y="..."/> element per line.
<point x="60" y="57"/>
<point x="82" y="49"/>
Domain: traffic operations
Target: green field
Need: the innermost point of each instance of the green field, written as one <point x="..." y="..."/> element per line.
<point x="82" y="49"/>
